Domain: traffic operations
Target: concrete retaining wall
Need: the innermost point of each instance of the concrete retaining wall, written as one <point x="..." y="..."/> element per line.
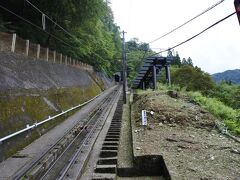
<point x="15" y="44"/>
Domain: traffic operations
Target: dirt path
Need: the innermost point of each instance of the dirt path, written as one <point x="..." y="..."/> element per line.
<point x="184" y="134"/>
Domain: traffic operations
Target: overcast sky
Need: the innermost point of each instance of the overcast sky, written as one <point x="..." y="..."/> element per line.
<point x="216" y="50"/>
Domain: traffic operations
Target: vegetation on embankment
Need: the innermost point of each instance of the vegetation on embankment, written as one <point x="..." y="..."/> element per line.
<point x="228" y="115"/>
<point x="221" y="111"/>
<point x="184" y="133"/>
<point x="22" y="107"/>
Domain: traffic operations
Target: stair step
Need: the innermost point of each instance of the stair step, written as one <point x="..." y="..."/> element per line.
<point x="106" y="168"/>
<point x="103" y="176"/>
<point x="108" y="153"/>
<point x="107" y="161"/>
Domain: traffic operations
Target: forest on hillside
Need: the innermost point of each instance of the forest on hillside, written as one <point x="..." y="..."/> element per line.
<point x="232" y="76"/>
<point x="81" y="29"/>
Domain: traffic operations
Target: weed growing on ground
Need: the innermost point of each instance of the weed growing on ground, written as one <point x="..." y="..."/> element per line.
<point x="229" y="115"/>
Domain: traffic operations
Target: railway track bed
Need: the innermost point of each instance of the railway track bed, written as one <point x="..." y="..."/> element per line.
<point x="52" y="155"/>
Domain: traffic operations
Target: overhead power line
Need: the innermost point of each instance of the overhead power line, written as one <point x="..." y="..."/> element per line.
<point x="35" y="7"/>
<point x="41" y="29"/>
<point x="196" y="34"/>
<point x="36" y="26"/>
<point x="195" y="17"/>
<point x="74" y="37"/>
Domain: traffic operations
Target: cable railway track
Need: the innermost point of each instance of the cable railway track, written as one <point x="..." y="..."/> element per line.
<point x="56" y="162"/>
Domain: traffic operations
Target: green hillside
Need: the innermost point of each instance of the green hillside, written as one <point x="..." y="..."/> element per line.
<point x="232" y="76"/>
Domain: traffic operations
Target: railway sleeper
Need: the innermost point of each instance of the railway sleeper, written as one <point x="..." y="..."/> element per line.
<point x="102" y="176"/>
<point x="110" y="144"/>
<point x="114" y="129"/>
<point x="108" y="153"/>
<point x="116" y="124"/>
<point x="107" y="161"/>
<point x="113" y="136"/>
<point x="111" y="139"/>
<point x="106" y="168"/>
<point x="110" y="148"/>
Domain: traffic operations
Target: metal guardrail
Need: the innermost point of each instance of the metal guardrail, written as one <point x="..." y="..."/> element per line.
<point x="30" y="127"/>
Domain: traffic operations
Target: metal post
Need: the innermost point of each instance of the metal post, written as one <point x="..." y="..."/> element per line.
<point x="13" y="42"/>
<point x="47" y="54"/>
<point x="143" y="85"/>
<point x="154" y="78"/>
<point x="66" y="60"/>
<point x="61" y="58"/>
<point x="38" y="51"/>
<point x="27" y="47"/>
<point x="54" y="56"/>
<point x="169" y="75"/>
<point x="168" y="78"/>
<point x="124" y="68"/>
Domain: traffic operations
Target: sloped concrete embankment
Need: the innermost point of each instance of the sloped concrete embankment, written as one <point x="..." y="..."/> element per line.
<point x="31" y="90"/>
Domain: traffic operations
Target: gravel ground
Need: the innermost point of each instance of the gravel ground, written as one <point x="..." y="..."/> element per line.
<point x="184" y="134"/>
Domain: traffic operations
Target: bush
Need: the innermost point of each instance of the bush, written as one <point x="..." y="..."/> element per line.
<point x="227" y="93"/>
<point x="193" y="78"/>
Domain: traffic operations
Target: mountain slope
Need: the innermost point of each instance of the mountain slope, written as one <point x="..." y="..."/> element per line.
<point x="230" y="75"/>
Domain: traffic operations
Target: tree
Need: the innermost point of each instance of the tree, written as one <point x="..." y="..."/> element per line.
<point x="189" y="61"/>
<point x="136" y="51"/>
<point x="94" y="37"/>
<point x="193" y="79"/>
<point x="176" y="60"/>
<point x="184" y="62"/>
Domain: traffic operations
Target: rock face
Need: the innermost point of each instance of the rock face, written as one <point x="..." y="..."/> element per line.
<point x="20" y="72"/>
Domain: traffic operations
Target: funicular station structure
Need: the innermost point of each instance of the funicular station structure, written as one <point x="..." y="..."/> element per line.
<point x="151" y="71"/>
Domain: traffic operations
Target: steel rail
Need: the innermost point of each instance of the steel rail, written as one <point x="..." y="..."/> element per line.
<point x="73" y="141"/>
<point x="85" y="140"/>
<point x="21" y="172"/>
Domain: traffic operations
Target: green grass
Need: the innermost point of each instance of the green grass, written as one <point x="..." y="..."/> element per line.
<point x="225" y="113"/>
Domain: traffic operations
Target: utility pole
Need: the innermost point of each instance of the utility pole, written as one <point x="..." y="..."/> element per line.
<point x="237" y="7"/>
<point x="124" y="66"/>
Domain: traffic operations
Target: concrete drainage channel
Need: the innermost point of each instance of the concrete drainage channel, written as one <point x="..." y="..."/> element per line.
<point x="107" y="162"/>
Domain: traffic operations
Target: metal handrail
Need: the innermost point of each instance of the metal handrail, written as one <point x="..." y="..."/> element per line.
<point x="28" y="127"/>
